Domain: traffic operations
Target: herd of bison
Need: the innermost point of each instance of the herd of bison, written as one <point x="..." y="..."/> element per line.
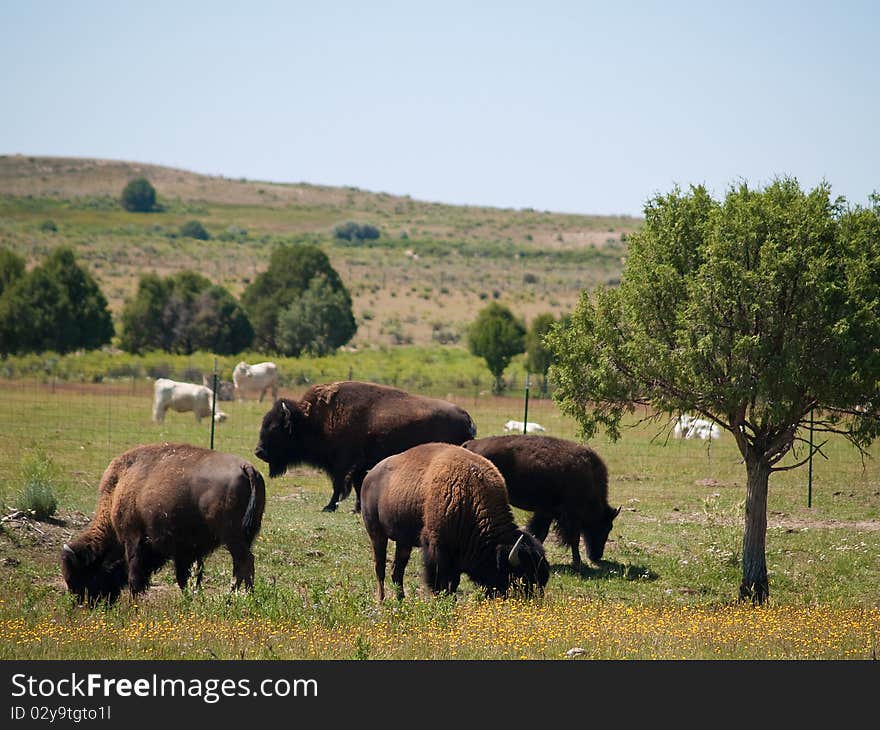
<point x="420" y="477"/>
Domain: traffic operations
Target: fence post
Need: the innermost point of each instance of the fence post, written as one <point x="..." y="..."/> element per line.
<point x="213" y="401"/>
<point x="526" y="414"/>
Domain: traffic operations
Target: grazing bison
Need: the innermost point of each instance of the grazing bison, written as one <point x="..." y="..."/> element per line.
<point x="259" y="378"/>
<point x="182" y="397"/>
<point x="348" y="427"/>
<point x="557" y="480"/>
<point x="453" y="504"/>
<point x="161" y="502"/>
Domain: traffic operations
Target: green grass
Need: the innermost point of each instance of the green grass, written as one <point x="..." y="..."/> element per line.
<point x="666" y="590"/>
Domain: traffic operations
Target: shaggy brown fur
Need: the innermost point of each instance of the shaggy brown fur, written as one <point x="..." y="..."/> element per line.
<point x="559" y="481"/>
<point x="453" y="504"/>
<point x="346" y="428"/>
<point x="165" y="501"/>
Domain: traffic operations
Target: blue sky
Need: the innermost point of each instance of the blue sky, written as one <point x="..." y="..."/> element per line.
<point x="582" y="107"/>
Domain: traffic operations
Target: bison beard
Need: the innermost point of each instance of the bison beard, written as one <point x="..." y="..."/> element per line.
<point x="163" y="502"/>
<point x="452" y="504"/>
<point x="346" y="428"/>
<point x="559" y="481"/>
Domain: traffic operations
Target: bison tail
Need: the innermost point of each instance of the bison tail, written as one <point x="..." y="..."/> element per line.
<point x="253" y="513"/>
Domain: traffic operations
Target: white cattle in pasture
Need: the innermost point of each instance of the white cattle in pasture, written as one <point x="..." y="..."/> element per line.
<point x="520" y="426"/>
<point x="688" y="427"/>
<point x="182" y="397"/>
<point x="258" y="378"/>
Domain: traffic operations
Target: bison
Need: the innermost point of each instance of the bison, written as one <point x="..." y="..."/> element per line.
<point x="182" y="397"/>
<point x="346" y="428"/>
<point x="161" y="502"/>
<point x="453" y="504"/>
<point x="260" y="378"/>
<point x="559" y="481"/>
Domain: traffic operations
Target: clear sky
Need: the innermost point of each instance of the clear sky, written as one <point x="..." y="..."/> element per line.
<point x="582" y="107"/>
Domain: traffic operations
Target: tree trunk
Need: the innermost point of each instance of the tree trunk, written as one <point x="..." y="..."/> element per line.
<point x="754" y="584"/>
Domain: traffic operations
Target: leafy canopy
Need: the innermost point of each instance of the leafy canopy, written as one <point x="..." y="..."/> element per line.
<point x="56" y="306"/>
<point x="289" y="275"/>
<point x="183" y="313"/>
<point x="752" y="311"/>
<point x="496" y="335"/>
<point x="317" y="322"/>
<point x="139" y="196"/>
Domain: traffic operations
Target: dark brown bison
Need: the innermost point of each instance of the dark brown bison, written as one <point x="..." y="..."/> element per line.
<point x="453" y="504"/>
<point x="559" y="481"/>
<point x="348" y="427"/>
<point x="161" y="502"/>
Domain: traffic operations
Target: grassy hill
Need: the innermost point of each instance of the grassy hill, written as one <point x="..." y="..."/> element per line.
<point x="422" y="281"/>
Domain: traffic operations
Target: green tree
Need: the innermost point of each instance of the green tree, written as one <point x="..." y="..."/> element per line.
<point x="291" y="269"/>
<point x="539" y="355"/>
<point x="496" y="335"/>
<point x="142" y="317"/>
<point x="183" y="313"/>
<point x="317" y="322"/>
<point x="139" y="196"/>
<point x="57" y="306"/>
<point x="219" y="323"/>
<point x="754" y="312"/>
<point x="11" y="268"/>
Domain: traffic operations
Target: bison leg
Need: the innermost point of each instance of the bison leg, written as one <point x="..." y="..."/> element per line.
<point x="576" y="552"/>
<point x="440" y="574"/>
<point x="338" y="491"/>
<point x="140" y="564"/>
<point x="242" y="567"/>
<point x="401" y="558"/>
<point x="200" y="572"/>
<point x="182" y="568"/>
<point x="357" y="479"/>
<point x="380" y="548"/>
<point x="539" y="525"/>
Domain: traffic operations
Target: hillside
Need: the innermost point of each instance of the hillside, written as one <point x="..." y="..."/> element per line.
<point x="434" y="266"/>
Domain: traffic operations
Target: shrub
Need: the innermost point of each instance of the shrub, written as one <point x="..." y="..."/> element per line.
<point x="38" y="492"/>
<point x="139" y="196"/>
<point x="194" y="229"/>
<point x="49" y="226"/>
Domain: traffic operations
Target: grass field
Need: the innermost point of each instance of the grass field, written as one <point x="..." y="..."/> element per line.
<point x="666" y="588"/>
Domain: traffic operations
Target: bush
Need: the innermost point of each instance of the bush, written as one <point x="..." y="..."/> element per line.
<point x="139" y="196"/>
<point x="38" y="493"/>
<point x="49" y="226"/>
<point x="351" y="231"/>
<point x="194" y="229"/>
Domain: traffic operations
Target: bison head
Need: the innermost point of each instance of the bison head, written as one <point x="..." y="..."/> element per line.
<point x="276" y="445"/>
<point x="596" y="533"/>
<point x="92" y="578"/>
<point x="523" y="564"/>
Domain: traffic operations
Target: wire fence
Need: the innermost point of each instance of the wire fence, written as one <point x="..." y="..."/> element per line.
<point x="82" y="426"/>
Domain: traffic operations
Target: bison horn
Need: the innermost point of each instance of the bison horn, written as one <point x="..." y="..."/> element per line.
<point x="513" y="557"/>
<point x="617" y="511"/>
<point x="69" y="551"/>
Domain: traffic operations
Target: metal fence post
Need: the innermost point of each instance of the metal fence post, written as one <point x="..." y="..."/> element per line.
<point x="526" y="414"/>
<point x="213" y="401"/>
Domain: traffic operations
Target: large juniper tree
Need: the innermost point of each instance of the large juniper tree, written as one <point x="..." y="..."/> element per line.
<point x="755" y="311"/>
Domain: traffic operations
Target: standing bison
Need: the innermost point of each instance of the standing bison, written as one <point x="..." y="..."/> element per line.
<point x="557" y="480"/>
<point x="453" y="504"/>
<point x="260" y="378"/>
<point x="163" y="502"/>
<point x="182" y="397"/>
<point x="348" y="427"/>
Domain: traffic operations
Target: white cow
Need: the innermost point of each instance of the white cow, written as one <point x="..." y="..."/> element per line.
<point x="182" y="397"/>
<point x="688" y="427"/>
<point x="517" y="426"/>
<point x="257" y="378"/>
